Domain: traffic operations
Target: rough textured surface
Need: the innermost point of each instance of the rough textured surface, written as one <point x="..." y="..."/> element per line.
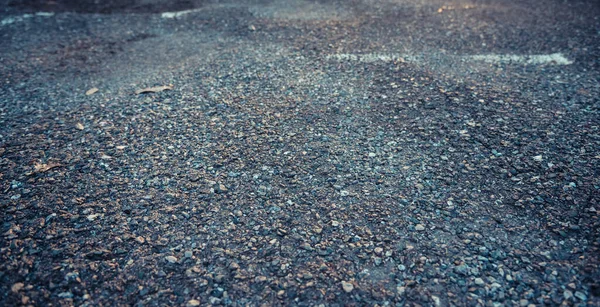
<point x="275" y="172"/>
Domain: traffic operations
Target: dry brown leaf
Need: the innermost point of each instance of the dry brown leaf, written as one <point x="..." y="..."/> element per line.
<point x="42" y="167"/>
<point x="17" y="287"/>
<point x="79" y="126"/>
<point x="155" y="89"/>
<point x="91" y="91"/>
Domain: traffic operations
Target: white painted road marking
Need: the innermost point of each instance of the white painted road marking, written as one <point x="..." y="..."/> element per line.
<point x="369" y="57"/>
<point x="170" y="15"/>
<point x="13" y="19"/>
<point x="536" y="59"/>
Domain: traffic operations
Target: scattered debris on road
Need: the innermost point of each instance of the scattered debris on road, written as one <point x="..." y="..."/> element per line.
<point x="156" y="89"/>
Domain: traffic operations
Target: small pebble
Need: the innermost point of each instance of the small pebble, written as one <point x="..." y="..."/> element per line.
<point x="348" y="287"/>
<point x="92" y="217"/>
<point x="567" y="294"/>
<point x="171" y="259"/>
<point x="479" y="281"/>
<point x="17" y="287"/>
<point x="580" y="295"/>
<point x="401" y="290"/>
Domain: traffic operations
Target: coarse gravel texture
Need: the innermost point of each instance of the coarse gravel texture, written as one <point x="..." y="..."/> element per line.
<point x="274" y="174"/>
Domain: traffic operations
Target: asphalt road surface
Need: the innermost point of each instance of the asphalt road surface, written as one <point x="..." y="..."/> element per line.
<point x="333" y="153"/>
